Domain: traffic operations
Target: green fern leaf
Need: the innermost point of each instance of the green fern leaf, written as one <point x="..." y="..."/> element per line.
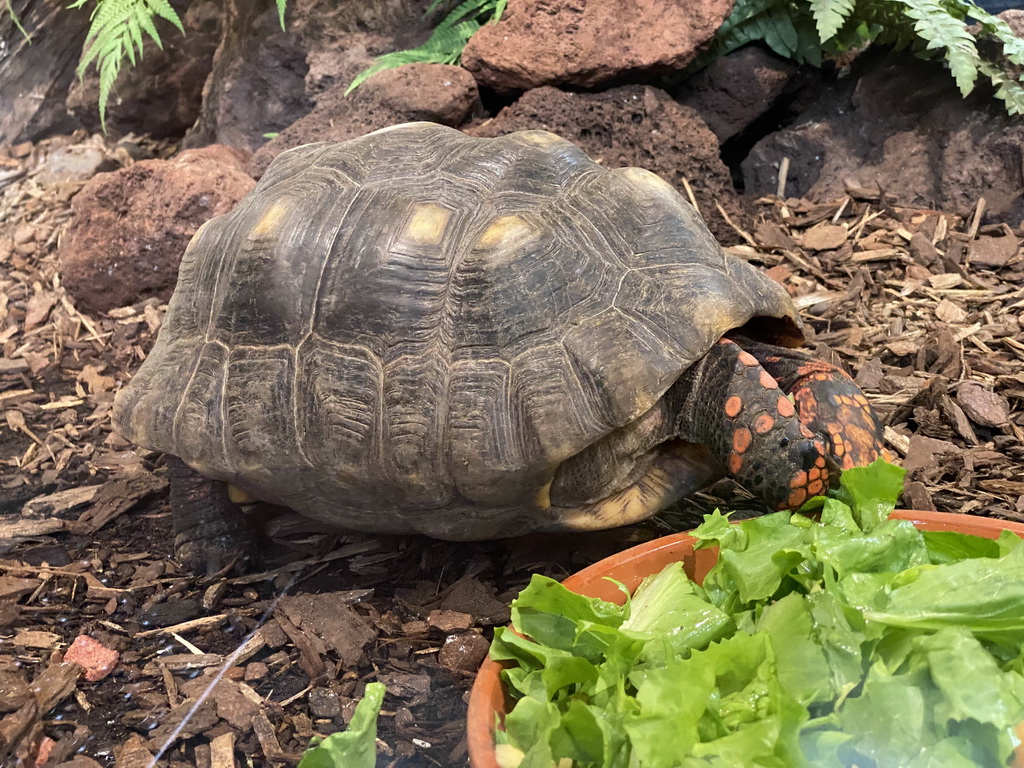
<point x="17" y="21"/>
<point x="468" y="8"/>
<point x="146" y="22"/>
<point x="1012" y="94"/>
<point x="830" y="15"/>
<point x="445" y="44"/>
<point x="1013" y="46"/>
<point x="281" y="4"/>
<point x="163" y="9"/>
<point x="115" y="34"/>
<point x="744" y="11"/>
<point x="939" y="29"/>
<point x="779" y="32"/>
<point x="1008" y="88"/>
<point x="135" y="38"/>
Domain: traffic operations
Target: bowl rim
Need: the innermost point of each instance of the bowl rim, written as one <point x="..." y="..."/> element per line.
<point x="487" y="689"/>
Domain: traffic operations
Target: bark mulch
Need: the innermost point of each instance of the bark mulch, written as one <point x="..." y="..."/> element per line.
<point x="109" y="652"/>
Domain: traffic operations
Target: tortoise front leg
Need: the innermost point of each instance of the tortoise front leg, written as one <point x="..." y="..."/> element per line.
<point x="210" y="531"/>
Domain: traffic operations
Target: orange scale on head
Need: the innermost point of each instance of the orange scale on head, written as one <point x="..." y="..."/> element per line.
<point x="785" y="407"/>
<point x="815" y="488"/>
<point x="747" y="359"/>
<point x="805" y="432"/>
<point x="796" y="498"/>
<point x="734" y="463"/>
<point x="741" y="439"/>
<point x="820" y="462"/>
<point x="763" y="423"/>
<point x="814" y="473"/>
<point x="767" y="381"/>
<point x="799" y="480"/>
<point x="733" y="406"/>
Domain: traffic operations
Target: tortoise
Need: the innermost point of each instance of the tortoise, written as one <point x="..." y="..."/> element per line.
<point x="420" y="331"/>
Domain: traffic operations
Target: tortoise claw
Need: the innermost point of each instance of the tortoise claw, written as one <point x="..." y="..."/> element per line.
<point x="212" y="534"/>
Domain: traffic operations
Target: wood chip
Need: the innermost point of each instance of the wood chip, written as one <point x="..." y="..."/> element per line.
<point x="993" y="252"/>
<point x="824" y="237"/>
<point x="119" y="495"/>
<point x="11" y="587"/>
<point x="948" y="312"/>
<point x="267" y="738"/>
<point x="222" y="751"/>
<point x="35" y="638"/>
<point x="945" y="281"/>
<point x="63" y="501"/>
<point x="983" y="406"/>
<point x="923" y="452"/>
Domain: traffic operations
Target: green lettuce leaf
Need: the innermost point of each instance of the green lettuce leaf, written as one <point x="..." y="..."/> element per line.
<point x="355" y="747"/>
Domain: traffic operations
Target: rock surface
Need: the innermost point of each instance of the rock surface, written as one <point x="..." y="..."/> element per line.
<point x="588" y="43"/>
<point x="35" y="75"/>
<point x="265" y="78"/>
<point x="130" y="227"/>
<point x="735" y="90"/>
<point x="901" y="127"/>
<point x="162" y="94"/>
<point x="634" y="126"/>
<point x="257" y="81"/>
<point x="436" y="92"/>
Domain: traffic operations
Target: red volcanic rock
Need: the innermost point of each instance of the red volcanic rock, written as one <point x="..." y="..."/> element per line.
<point x="590" y="42"/>
<point x="130" y="227"/>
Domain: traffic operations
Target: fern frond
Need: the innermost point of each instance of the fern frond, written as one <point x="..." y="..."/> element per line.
<point x="1012" y="94"/>
<point x="830" y="15"/>
<point x="805" y="29"/>
<point x="940" y="29"/>
<point x="446" y="41"/>
<point x="16" y="21"/>
<point x="163" y="9"/>
<point x="116" y="33"/>
<point x="1008" y="87"/>
<point x="1013" y="46"/>
<point x="281" y="5"/>
<point x="466" y="9"/>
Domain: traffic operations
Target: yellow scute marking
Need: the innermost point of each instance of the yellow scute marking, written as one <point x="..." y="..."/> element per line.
<point x="270" y="220"/>
<point x="426" y="224"/>
<point x="504" y="231"/>
<point x="543" y="138"/>
<point x="649" y="181"/>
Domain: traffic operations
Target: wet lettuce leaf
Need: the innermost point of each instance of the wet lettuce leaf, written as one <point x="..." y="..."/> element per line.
<point x="853" y="639"/>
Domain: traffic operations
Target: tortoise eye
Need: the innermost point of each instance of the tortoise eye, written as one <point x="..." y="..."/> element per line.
<point x="783" y="442"/>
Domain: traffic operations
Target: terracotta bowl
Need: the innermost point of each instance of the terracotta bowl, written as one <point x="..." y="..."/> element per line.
<point x="630" y="567"/>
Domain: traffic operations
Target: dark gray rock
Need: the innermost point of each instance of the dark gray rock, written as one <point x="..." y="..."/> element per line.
<point x="735" y="90"/>
<point x="899" y="125"/>
<point x="35" y="75"/>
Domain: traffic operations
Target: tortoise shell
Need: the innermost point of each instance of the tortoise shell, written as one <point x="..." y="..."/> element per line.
<point x="411" y="331"/>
